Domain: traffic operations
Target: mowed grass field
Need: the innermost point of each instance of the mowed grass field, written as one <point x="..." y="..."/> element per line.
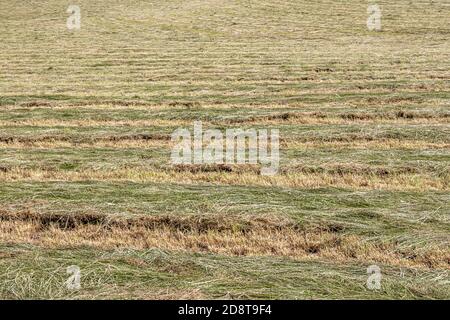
<point x="86" y="178"/>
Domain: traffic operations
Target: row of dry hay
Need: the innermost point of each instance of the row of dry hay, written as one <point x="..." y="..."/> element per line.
<point x="230" y="235"/>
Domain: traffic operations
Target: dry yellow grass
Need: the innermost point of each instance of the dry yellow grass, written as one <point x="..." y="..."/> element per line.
<point x="51" y="123"/>
<point x="376" y="144"/>
<point x="223" y="235"/>
<point x="363" y="181"/>
<point x="126" y="80"/>
<point x="99" y="143"/>
<point x="268" y="121"/>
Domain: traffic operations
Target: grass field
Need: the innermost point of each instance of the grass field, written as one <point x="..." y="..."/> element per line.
<point x="85" y="172"/>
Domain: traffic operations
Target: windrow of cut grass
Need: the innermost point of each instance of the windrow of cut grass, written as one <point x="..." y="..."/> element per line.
<point x="257" y="236"/>
<point x="218" y="176"/>
<point x="86" y="119"/>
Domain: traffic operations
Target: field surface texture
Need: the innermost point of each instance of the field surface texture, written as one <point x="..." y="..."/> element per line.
<point x="86" y="178"/>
